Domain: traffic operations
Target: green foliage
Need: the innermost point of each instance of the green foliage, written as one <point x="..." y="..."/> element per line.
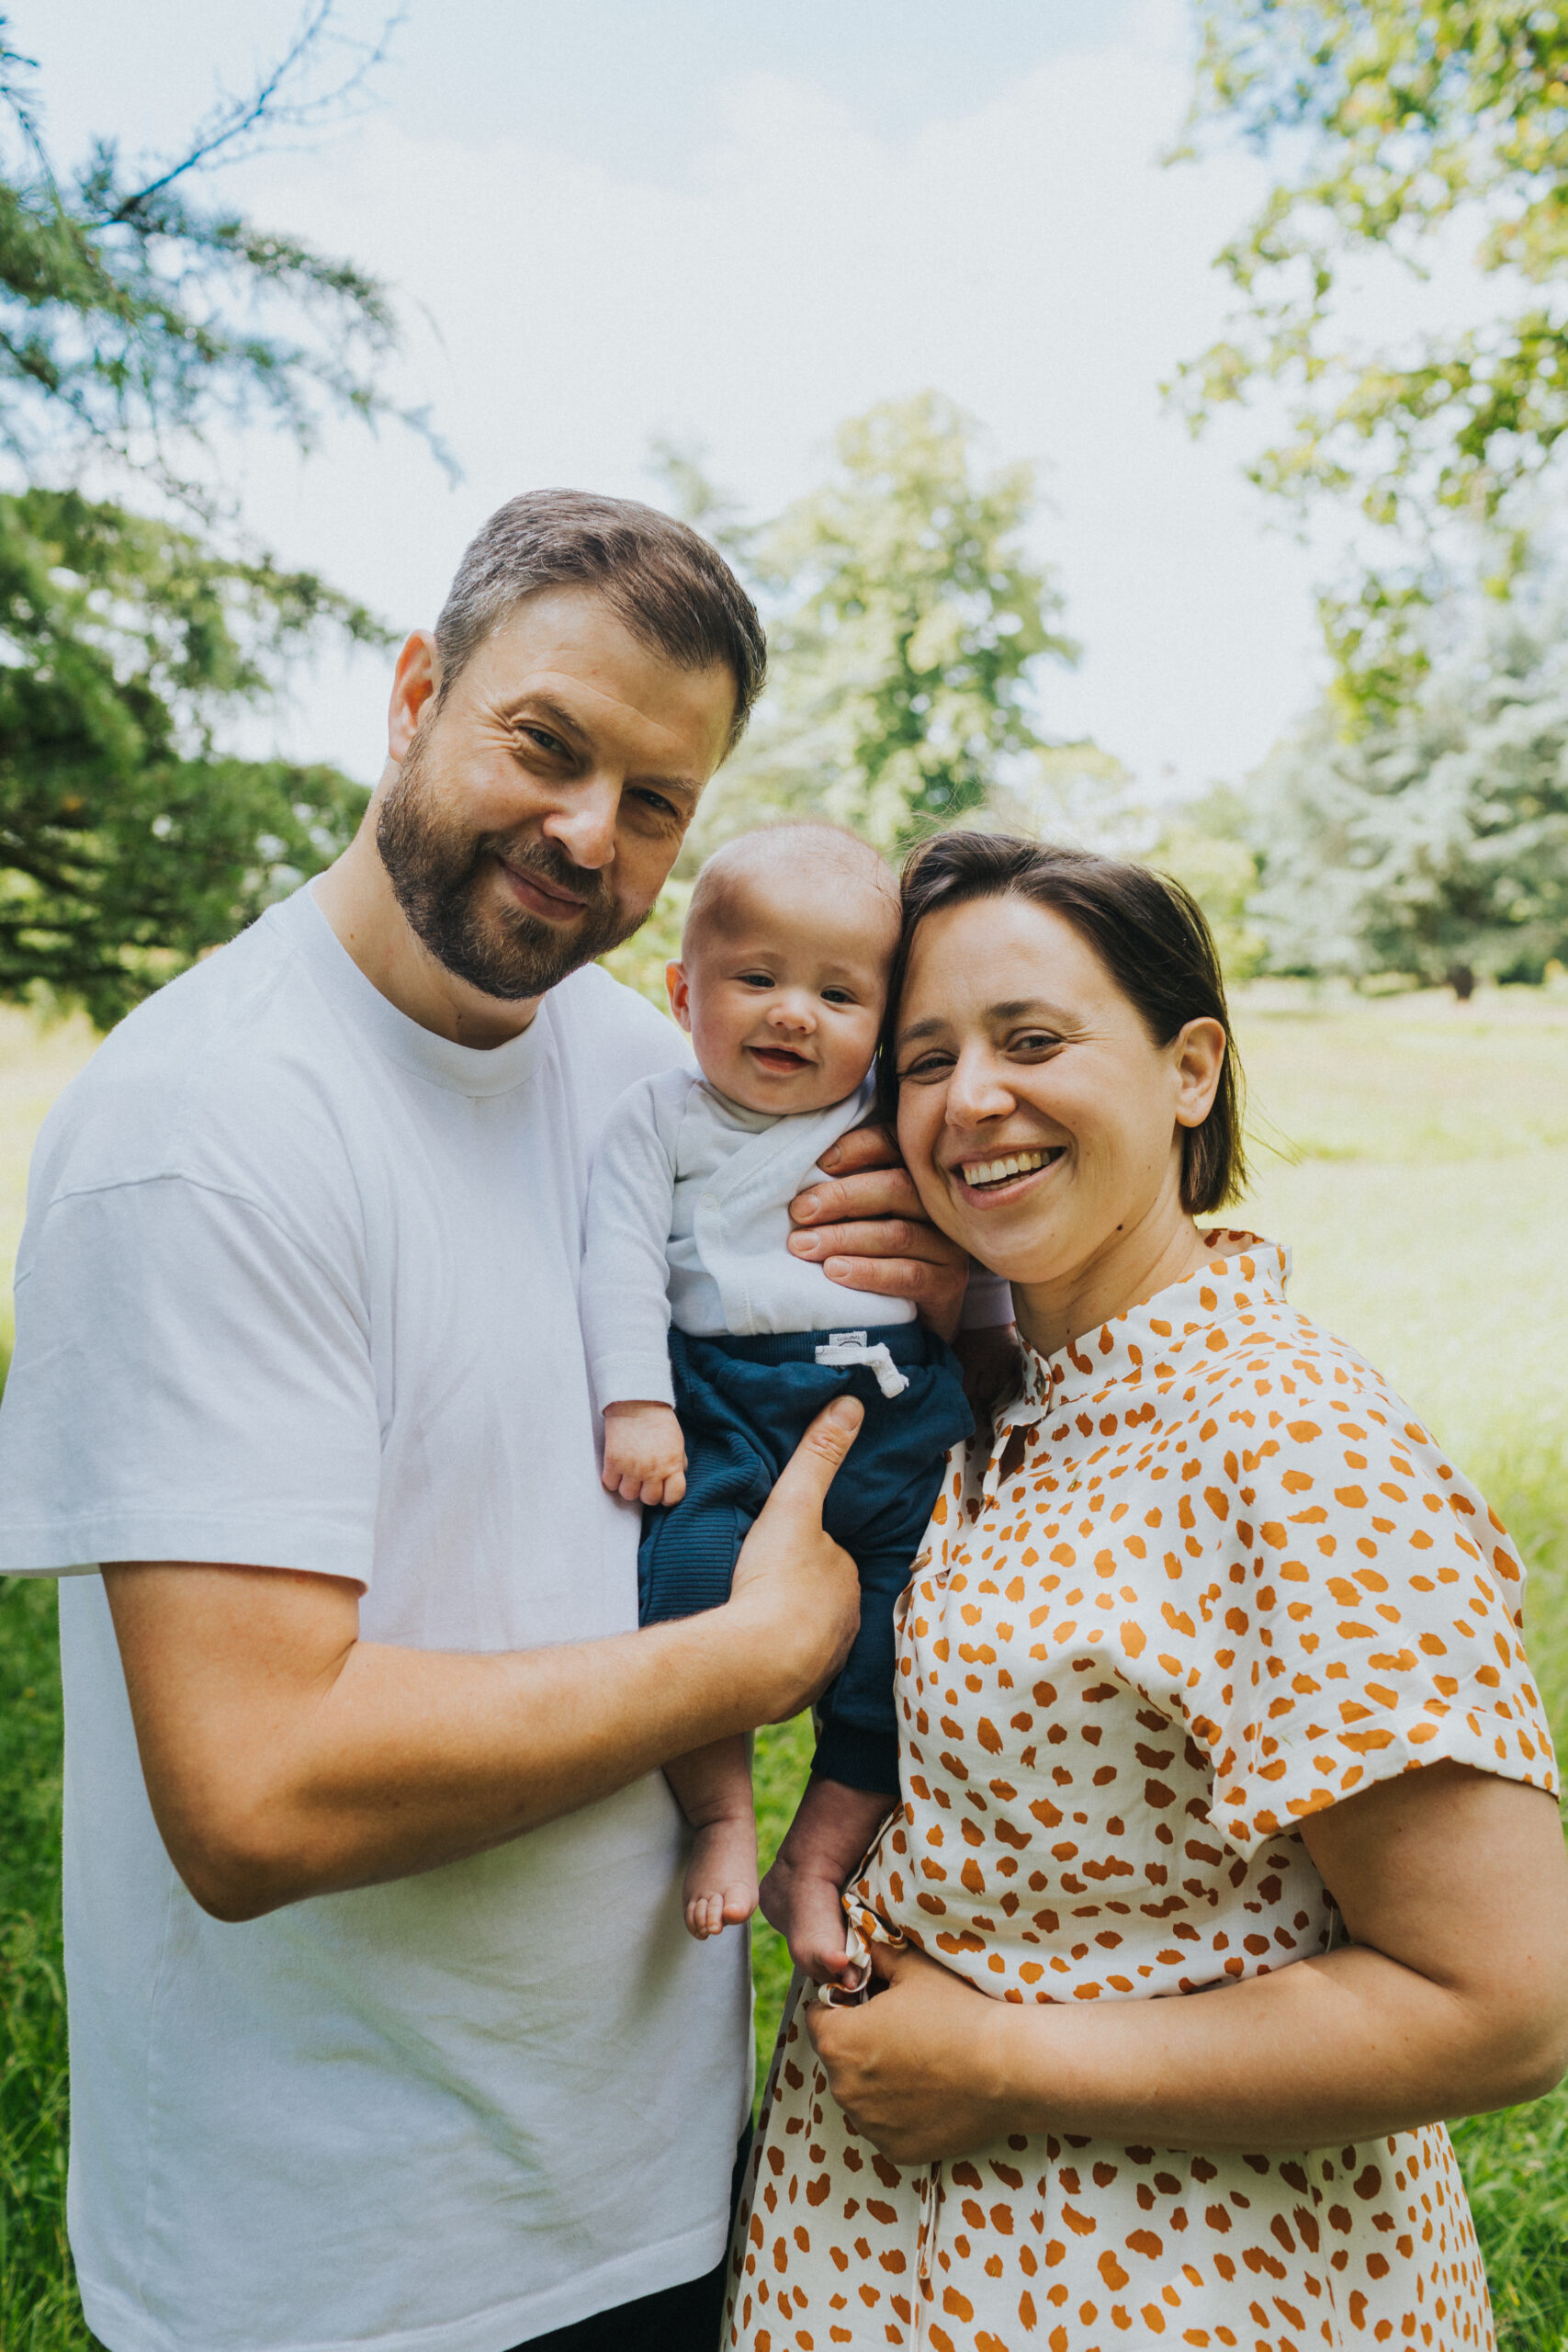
<point x="1433" y="843"/>
<point x="39" y="2311"/>
<point x="905" y="617"/>
<point x="1408" y="126"/>
<point x="1205" y="847"/>
<point x="132" y="320"/>
<point x="127" y="845"/>
<point x="132" y="315"/>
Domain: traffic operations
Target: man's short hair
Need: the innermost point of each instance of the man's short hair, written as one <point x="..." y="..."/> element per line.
<point x="664" y="581"/>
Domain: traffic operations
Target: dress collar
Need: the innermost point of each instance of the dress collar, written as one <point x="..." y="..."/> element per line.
<point x="1154" y="1341"/>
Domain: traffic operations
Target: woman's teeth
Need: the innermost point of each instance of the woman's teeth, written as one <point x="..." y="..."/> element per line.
<point x="977" y="1173"/>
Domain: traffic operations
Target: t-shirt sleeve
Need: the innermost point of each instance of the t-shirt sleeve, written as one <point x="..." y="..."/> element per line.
<point x="1380" y="1627"/>
<point x="190" y="1382"/>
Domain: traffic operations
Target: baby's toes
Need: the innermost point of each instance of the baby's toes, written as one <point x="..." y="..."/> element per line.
<point x="737" y="1903"/>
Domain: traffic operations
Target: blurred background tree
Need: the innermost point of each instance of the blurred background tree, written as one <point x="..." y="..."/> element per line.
<point x="135" y="319"/>
<point x="906" y="625"/>
<point x="1434" y="843"/>
<point x="1410" y="128"/>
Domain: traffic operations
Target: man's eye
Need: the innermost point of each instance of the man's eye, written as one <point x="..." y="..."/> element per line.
<point x="543" y="740"/>
<point x="656" y="803"/>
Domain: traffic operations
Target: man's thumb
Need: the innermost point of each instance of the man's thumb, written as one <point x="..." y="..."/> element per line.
<point x="811" y="1468"/>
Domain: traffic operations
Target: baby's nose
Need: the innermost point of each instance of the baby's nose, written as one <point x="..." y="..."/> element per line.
<point x="793" y="1013"/>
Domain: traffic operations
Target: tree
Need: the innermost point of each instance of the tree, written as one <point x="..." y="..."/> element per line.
<point x="1435" y="843"/>
<point x="132" y="320"/>
<point x="905" y="621"/>
<point x="1407" y="124"/>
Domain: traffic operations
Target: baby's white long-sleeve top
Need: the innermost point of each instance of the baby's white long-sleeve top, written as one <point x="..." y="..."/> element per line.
<point x="688" y="1222"/>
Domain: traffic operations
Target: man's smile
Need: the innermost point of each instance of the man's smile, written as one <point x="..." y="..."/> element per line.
<point x="541" y="898"/>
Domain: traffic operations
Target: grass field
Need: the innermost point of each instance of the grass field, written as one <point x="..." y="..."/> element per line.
<point x="1414" y="1152"/>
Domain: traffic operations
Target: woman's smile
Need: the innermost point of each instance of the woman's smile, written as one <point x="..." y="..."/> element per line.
<point x="1003" y="1175"/>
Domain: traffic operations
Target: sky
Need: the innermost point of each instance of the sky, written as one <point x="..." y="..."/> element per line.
<point x="737" y="223"/>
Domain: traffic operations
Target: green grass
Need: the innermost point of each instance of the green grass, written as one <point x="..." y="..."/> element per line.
<point x="1416" y="1155"/>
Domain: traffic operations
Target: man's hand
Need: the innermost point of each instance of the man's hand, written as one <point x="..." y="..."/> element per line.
<point x="866" y="1229"/>
<point x="644" y="1454"/>
<point x="795" y="1596"/>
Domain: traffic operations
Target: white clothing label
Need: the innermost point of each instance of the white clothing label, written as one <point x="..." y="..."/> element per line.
<point x="299" y="1289"/>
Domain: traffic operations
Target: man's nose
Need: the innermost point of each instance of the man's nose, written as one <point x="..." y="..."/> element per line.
<point x="584" y="824"/>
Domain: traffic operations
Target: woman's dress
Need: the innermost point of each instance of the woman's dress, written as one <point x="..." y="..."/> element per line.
<point x="1210" y="1578"/>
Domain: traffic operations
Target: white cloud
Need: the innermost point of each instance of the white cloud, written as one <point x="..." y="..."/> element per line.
<point x="1027" y="255"/>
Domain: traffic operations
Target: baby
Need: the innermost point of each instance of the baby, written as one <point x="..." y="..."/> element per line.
<point x="713" y="1346"/>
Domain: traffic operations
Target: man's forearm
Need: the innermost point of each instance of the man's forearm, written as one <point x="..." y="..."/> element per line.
<point x="376" y="1762"/>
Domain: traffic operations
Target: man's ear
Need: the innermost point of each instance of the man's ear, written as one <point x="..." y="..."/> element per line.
<point x="415" y="680"/>
<point x="679" y="989"/>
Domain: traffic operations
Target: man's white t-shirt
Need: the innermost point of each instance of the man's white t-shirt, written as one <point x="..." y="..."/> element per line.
<point x="299" y="1288"/>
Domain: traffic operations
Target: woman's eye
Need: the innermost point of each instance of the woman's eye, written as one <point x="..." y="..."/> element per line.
<point x="924" y="1067"/>
<point x="1033" y="1041"/>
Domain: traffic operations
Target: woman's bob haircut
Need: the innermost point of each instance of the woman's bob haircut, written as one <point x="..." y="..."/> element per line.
<point x="1149" y="933"/>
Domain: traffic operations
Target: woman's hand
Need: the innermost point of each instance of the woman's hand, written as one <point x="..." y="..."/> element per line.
<point x="867" y="1230"/>
<point x="921" y="2067"/>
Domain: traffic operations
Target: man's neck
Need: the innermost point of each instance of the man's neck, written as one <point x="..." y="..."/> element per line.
<point x="357" y="897"/>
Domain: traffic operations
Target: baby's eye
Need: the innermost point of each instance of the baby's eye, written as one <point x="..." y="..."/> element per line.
<point x="838" y="996"/>
<point x="756" y="979"/>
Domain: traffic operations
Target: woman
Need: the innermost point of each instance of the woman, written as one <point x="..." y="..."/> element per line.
<point x="1210" y="1683"/>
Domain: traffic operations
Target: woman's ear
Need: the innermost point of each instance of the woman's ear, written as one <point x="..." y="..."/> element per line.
<point x="679" y="989"/>
<point x="1198" y="1052"/>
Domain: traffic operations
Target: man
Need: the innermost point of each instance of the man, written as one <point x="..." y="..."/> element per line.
<point x="385" y="2031"/>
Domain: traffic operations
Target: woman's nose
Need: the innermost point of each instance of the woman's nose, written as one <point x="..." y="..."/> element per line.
<point x="976" y="1091"/>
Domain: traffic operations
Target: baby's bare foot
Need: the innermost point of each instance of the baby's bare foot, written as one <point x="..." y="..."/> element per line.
<point x="809" y="1914"/>
<point x="721" y="1877"/>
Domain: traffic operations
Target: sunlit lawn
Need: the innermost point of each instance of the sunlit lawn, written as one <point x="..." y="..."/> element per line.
<point x="1428" y="1214"/>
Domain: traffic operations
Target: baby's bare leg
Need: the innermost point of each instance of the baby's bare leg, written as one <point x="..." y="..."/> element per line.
<point x="801" y="1896"/>
<point x="712" y="1786"/>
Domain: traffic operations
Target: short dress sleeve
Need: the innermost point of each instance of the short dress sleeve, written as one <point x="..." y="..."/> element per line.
<point x="1382" y="1628"/>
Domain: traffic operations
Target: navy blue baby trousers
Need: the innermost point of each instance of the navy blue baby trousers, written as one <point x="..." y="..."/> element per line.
<point x="744" y="1406"/>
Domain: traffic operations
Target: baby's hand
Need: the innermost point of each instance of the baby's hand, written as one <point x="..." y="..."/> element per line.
<point x="645" y="1454"/>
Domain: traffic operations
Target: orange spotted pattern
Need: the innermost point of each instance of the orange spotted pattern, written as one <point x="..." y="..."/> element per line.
<point x="1209" y="1578"/>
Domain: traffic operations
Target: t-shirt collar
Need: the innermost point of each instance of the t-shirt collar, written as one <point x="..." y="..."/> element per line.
<point x="461" y="1070"/>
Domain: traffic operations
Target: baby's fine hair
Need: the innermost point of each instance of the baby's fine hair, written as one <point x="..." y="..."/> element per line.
<point x="749" y="857"/>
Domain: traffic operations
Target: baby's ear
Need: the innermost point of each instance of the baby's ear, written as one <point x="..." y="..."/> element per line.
<point x="675" y="981"/>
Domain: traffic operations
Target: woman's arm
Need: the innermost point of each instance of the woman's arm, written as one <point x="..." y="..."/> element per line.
<point x="1452" y="1999"/>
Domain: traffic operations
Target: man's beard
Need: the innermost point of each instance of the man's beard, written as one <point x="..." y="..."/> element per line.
<point x="438" y="873"/>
